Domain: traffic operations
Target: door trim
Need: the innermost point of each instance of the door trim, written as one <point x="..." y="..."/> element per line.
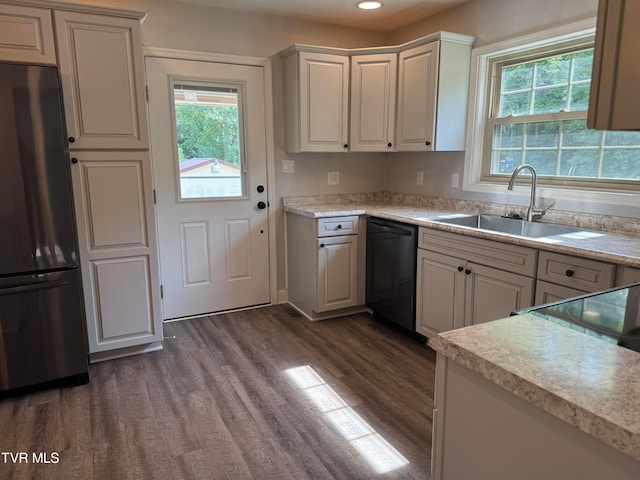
<point x="265" y="63"/>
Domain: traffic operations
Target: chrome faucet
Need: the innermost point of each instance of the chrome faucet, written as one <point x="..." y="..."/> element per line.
<point x="533" y="213"/>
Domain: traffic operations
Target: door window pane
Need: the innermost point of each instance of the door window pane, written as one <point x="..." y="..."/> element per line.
<point x="208" y="139"/>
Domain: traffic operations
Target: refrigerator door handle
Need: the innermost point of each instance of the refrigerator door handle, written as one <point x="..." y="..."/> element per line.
<point x="33" y="286"/>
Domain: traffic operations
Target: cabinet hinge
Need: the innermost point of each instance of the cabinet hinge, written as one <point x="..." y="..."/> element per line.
<point x="146" y="89"/>
<point x="155" y="199"/>
<point x="161" y="291"/>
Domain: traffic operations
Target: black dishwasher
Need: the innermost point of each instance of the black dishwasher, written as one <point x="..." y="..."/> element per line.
<point x="391" y="272"/>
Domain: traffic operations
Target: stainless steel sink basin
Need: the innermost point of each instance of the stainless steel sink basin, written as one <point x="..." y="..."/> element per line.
<point x="496" y="223"/>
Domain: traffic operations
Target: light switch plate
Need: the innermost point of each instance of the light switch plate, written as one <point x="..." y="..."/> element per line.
<point x="333" y="178"/>
<point x="288" y="166"/>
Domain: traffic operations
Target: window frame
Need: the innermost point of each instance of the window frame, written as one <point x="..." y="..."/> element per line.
<point x="188" y="83"/>
<point x="481" y="102"/>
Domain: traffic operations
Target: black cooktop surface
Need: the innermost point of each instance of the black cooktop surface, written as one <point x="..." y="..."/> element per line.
<point x="612" y="315"/>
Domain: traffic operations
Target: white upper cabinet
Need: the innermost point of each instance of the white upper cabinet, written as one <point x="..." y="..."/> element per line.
<point x="614" y="102"/>
<point x="373" y="102"/>
<point x="411" y="97"/>
<point x="102" y="74"/>
<point x="316" y="103"/>
<point x="26" y="35"/>
<point x="433" y="91"/>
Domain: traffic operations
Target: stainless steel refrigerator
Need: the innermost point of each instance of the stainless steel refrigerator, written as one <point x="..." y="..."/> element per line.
<point x="42" y="324"/>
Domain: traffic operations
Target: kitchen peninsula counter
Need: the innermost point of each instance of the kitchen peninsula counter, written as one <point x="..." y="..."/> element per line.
<point x="590" y="385"/>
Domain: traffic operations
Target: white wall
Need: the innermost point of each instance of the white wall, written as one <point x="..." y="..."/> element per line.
<point x="493" y="20"/>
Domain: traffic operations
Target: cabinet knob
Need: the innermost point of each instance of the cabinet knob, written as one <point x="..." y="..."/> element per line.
<point x="72" y="139"/>
<point x="460" y="268"/>
<point x="427" y="143"/>
<point x="339" y="227"/>
<point x="346" y="145"/>
<point x="74" y="160"/>
<point x="569" y="273"/>
<point x="322" y="245"/>
<point x="467" y="272"/>
<point x="389" y="144"/>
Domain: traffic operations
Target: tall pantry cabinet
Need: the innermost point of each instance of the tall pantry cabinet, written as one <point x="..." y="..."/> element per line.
<point x="99" y="55"/>
<point x="101" y="66"/>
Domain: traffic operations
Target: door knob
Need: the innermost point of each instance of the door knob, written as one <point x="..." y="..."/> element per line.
<point x="262" y="205"/>
<point x="260" y="188"/>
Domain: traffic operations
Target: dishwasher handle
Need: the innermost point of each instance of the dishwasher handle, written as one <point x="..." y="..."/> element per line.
<point x="397" y="230"/>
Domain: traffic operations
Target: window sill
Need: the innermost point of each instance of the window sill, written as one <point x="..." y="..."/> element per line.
<point x="589" y="200"/>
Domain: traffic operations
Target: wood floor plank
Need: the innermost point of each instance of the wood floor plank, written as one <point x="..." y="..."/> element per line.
<point x="218" y="402"/>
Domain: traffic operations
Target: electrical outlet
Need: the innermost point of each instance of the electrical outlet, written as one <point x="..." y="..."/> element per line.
<point x="333" y="178"/>
<point x="455" y="180"/>
<point x="288" y="166"/>
<point x="419" y="178"/>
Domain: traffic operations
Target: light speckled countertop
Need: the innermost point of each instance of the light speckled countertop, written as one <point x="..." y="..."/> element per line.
<point x="617" y="247"/>
<point x="590" y="384"/>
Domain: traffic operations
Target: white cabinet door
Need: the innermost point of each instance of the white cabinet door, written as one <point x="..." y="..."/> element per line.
<point x="117" y="247"/>
<point x="492" y="294"/>
<point x="26" y="35"/>
<point x="417" y="89"/>
<point x="337" y="272"/>
<point x="614" y="102"/>
<point x="373" y="102"/>
<point x="440" y="290"/>
<point x="316" y="102"/>
<point x="102" y="81"/>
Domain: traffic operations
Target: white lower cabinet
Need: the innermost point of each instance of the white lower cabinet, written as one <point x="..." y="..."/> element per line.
<point x="459" y="284"/>
<point x="325" y="259"/>
<point x="337" y="285"/>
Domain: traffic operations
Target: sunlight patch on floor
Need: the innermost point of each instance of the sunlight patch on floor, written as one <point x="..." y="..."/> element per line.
<point x="379" y="453"/>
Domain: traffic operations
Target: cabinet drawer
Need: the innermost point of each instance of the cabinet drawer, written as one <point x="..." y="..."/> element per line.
<point x="574" y="272"/>
<point x="328" y="227"/>
<point x="512" y="258"/>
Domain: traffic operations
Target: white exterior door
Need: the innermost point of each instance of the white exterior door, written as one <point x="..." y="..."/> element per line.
<point x="208" y="142"/>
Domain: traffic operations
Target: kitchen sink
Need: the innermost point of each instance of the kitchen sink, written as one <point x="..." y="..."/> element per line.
<point x="511" y="226"/>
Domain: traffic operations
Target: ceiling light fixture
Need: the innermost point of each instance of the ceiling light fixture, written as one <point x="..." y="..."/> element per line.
<point x="369" y="5"/>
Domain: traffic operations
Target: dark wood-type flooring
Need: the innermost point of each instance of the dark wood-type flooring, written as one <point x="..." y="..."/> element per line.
<point x="217" y="403"/>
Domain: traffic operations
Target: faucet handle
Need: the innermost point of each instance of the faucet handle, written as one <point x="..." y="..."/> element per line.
<point x="538" y="212"/>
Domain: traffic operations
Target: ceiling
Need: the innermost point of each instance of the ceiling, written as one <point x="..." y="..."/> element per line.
<point x="394" y="14"/>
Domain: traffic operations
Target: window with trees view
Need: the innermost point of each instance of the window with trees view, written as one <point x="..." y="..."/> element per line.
<point x="538" y="116"/>
<point x="208" y="138"/>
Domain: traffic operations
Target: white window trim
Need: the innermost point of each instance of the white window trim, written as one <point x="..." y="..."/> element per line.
<point x="479" y="105"/>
